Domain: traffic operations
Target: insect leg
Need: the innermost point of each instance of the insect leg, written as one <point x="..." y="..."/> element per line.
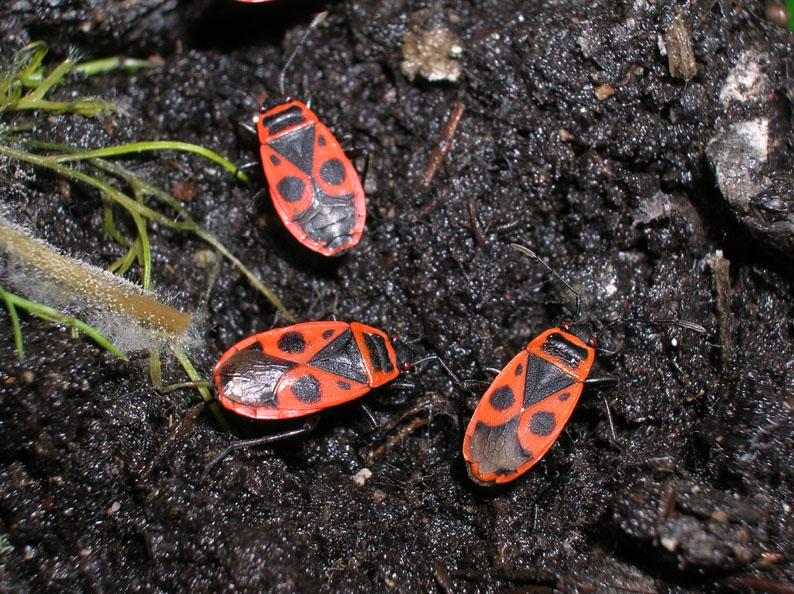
<point x="307" y="427"/>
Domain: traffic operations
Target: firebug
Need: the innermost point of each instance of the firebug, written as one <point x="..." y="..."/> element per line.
<point x="314" y="186"/>
<point x="302" y="369"/>
<point x="522" y="413"/>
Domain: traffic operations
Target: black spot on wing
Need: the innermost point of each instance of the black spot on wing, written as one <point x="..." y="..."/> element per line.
<point x="502" y="398"/>
<point x="543" y="380"/>
<point x="332" y="172"/>
<point x="291" y="188"/>
<point x="342" y="358"/>
<point x="307" y="389"/>
<point x="292" y="343"/>
<point x="542" y="423"/>
<point x="328" y="334"/>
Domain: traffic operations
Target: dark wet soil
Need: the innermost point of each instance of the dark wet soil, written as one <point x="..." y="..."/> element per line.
<point x="575" y="141"/>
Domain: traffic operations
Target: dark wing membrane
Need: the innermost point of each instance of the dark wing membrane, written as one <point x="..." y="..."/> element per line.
<point x="330" y="220"/>
<point x="491" y="447"/>
<point x="248" y="380"/>
<point x="496" y="452"/>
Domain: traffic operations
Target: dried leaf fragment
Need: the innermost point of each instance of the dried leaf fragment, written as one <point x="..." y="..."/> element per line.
<point x="680" y="57"/>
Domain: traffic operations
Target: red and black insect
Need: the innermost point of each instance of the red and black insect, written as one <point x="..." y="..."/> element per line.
<point x="523" y="412"/>
<point x="526" y="407"/>
<point x="314" y="186"/>
<point x="302" y="369"/>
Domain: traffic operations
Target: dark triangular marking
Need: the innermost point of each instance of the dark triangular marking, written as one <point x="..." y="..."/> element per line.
<point x="297" y="147"/>
<point x="341" y="357"/>
<point x="543" y="380"/>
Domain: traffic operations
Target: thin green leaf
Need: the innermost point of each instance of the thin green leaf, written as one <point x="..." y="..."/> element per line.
<point x="95" y="67"/>
<point x="136" y="208"/>
<point x="154" y="145"/>
<point x="12" y="313"/>
<point x="191" y="372"/>
<point x="53" y="315"/>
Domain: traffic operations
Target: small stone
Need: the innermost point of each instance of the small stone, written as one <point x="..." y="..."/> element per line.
<point x="604" y="92"/>
<point x="362" y="476"/>
<point x="432" y="54"/>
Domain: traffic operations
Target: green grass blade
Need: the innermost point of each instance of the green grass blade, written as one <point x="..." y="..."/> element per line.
<point x="12" y="313"/>
<point x="136" y="208"/>
<point x="154" y="145"/>
<point x="53" y="315"/>
<point x="95" y="67"/>
<point x="194" y="376"/>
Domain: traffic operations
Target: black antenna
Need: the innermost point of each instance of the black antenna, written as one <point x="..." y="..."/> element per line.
<point x="443" y="365"/>
<point x="669" y="321"/>
<point x="312" y="26"/>
<point x="534" y="256"/>
<point x="686" y="324"/>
